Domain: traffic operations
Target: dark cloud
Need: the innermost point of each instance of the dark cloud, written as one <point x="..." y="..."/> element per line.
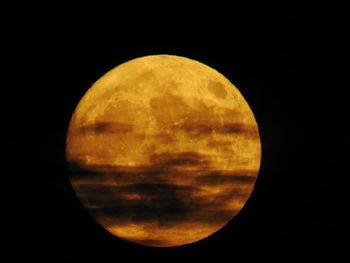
<point x="161" y="203"/>
<point x="169" y="159"/>
<point x="156" y="193"/>
<point x="79" y="170"/>
<point x="198" y="129"/>
<point x="165" y="204"/>
<point x="107" y="127"/>
<point x="158" y="164"/>
<point x="239" y="128"/>
<point x="224" y="177"/>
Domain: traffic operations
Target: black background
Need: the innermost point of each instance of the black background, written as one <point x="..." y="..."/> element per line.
<point x="282" y="59"/>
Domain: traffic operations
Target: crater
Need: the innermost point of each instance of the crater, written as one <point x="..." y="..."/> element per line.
<point x="217" y="89"/>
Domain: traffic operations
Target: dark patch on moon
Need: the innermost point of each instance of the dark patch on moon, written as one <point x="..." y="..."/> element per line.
<point x="217" y="89"/>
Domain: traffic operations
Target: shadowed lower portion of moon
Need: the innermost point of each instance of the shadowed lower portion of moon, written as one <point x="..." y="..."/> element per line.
<point x="164" y="151"/>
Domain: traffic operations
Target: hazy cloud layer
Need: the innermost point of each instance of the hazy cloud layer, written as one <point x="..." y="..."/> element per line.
<point x="160" y="203"/>
<point x="175" y="188"/>
<point x="192" y="128"/>
<point x="203" y="129"/>
<point x="106" y="127"/>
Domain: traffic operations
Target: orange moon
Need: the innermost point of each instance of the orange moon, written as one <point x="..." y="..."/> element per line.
<point x="164" y="151"/>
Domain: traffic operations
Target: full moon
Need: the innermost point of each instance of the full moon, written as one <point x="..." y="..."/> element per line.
<point x="163" y="151"/>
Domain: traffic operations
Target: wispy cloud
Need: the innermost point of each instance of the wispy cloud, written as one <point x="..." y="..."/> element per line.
<point x="174" y="188"/>
<point x="106" y="127"/>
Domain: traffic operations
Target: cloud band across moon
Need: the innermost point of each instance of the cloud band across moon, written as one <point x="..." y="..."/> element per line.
<point x="175" y="188"/>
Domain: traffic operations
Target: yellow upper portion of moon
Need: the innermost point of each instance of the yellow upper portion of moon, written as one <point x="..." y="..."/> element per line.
<point x="142" y="101"/>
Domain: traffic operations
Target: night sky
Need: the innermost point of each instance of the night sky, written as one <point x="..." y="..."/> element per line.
<point x="281" y="58"/>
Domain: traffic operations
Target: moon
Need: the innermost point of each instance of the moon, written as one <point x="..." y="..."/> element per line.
<point x="164" y="151"/>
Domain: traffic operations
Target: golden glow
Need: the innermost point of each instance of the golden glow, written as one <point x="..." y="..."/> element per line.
<point x="165" y="150"/>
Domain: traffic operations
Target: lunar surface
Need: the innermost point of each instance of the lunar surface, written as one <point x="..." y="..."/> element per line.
<point x="164" y="151"/>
